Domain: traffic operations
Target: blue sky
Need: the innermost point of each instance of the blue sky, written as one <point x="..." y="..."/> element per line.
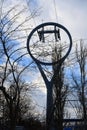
<point x="70" y="13"/>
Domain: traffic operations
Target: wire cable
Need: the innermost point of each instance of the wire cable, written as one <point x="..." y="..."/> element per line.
<point x="56" y="15"/>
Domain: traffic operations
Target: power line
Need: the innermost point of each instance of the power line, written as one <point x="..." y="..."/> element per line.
<point x="56" y="15"/>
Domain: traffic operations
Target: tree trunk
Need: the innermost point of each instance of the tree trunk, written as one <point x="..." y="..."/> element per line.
<point x="12" y="116"/>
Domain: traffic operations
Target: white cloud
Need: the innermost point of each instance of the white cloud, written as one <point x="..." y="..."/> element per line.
<point x="71" y="14"/>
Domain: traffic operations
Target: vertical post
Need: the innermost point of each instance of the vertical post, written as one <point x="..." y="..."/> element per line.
<point x="49" y="117"/>
<point x="49" y="84"/>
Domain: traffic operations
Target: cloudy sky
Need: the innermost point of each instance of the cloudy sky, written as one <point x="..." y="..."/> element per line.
<point x="70" y="13"/>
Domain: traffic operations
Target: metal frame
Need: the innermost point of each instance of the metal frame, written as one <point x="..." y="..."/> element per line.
<point x="49" y="84"/>
<point x="41" y="26"/>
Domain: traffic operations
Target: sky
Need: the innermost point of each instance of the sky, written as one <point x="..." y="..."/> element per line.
<point x="70" y="13"/>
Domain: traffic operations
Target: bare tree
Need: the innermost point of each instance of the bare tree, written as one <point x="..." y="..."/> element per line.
<point x="60" y="89"/>
<point x="80" y="80"/>
<point x="11" y="61"/>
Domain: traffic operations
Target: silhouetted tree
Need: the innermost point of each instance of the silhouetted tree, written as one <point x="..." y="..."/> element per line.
<point x="11" y="61"/>
<point x="60" y="88"/>
<point x="80" y="81"/>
